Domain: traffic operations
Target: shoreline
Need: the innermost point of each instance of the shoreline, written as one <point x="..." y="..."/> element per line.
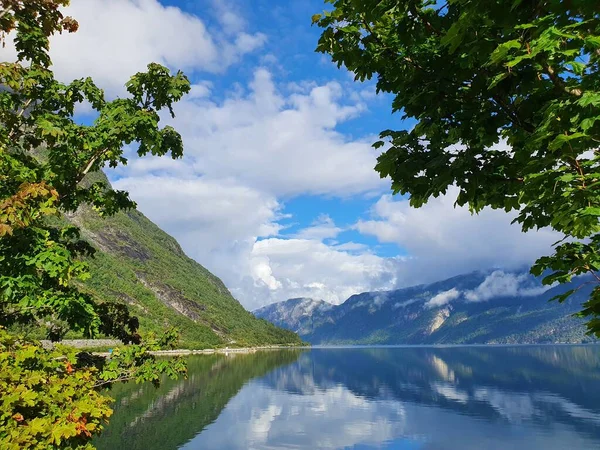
<point x="101" y="346"/>
<point x="211" y="351"/>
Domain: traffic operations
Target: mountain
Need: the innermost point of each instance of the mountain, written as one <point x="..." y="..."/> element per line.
<point x="485" y="307"/>
<point x="302" y="315"/>
<point x="141" y="265"/>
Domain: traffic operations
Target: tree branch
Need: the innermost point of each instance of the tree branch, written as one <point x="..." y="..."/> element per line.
<point x="513" y="115"/>
<point x="558" y="82"/>
<point x="116" y="380"/>
<point x="90" y="164"/>
<point x="386" y="48"/>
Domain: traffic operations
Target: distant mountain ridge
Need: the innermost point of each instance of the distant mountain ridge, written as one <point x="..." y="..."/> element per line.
<point x="302" y="315"/>
<point x="484" y="307"/>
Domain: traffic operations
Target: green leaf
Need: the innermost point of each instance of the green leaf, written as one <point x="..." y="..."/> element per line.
<point x="503" y="50"/>
<point x="562" y="139"/>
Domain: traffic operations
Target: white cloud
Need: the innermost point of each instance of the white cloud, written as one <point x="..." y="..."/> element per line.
<point x="443" y="298"/>
<point x="322" y="228"/>
<point x="241" y="156"/>
<point x="286" y="145"/>
<point x="351" y="247"/>
<point x="259" y="145"/>
<point x="379" y="300"/>
<point x="406" y="303"/>
<point x="261" y="271"/>
<point x="225" y="13"/>
<point x="309" y="268"/>
<point x="501" y="284"/>
<point x="118" y="38"/>
<point x="444" y="241"/>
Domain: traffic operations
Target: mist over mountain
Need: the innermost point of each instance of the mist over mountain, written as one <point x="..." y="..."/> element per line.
<point x="483" y="307"/>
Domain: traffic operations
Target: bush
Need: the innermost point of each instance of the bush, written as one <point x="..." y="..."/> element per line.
<point x="48" y="400"/>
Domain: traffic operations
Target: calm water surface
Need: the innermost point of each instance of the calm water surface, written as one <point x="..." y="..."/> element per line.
<point x="545" y="397"/>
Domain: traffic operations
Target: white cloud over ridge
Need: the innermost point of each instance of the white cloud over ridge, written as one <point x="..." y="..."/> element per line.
<point x="309" y="268"/>
<point x="501" y="284"/>
<point x="443" y="240"/>
<point x="496" y="284"/>
<point x="443" y="298"/>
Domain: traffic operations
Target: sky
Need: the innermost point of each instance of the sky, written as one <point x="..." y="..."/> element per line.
<point x="276" y="193"/>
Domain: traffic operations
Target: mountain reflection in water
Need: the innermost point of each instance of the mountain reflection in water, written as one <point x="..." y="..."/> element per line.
<point x="532" y="397"/>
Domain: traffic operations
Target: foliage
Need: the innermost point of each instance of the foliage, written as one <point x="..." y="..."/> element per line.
<point x="51" y="399"/>
<point x="506" y="94"/>
<point x="46" y="401"/>
<point x="40" y="262"/>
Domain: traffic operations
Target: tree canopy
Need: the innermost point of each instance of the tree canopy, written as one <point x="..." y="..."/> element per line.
<point x="506" y="95"/>
<point x="45" y="158"/>
<point x="50" y="398"/>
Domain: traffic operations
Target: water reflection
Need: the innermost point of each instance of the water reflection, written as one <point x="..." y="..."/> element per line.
<point x="400" y="398"/>
<point x="146" y="418"/>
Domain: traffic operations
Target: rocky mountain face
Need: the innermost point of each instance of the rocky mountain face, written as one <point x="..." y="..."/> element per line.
<point x="487" y="307"/>
<point x="302" y="315"/>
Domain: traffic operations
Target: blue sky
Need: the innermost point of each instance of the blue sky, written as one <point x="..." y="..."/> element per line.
<point x="276" y="193"/>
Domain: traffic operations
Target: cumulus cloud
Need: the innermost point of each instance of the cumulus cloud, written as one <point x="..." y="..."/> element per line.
<point x="444" y="241"/>
<point x="222" y="198"/>
<point x="501" y="284"/>
<point x="443" y="298"/>
<point x="254" y="146"/>
<point x="286" y="145"/>
<point x="309" y="268"/>
<point x="118" y="38"/>
<point x="322" y="228"/>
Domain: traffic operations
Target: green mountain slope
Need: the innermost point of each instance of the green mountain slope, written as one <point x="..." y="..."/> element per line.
<point x="141" y="265"/>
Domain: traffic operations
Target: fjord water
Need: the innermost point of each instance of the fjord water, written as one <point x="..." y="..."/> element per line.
<point x="530" y="397"/>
